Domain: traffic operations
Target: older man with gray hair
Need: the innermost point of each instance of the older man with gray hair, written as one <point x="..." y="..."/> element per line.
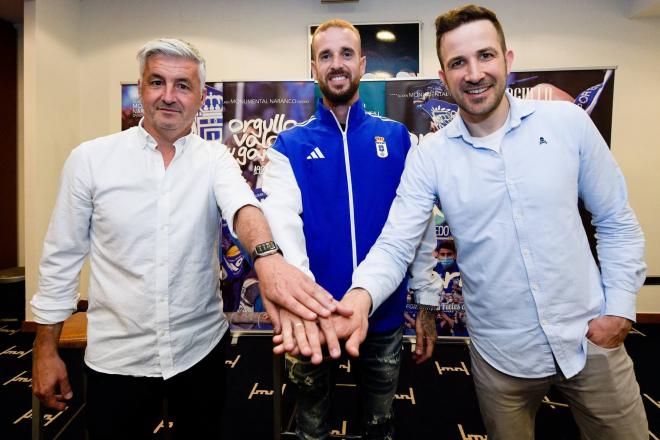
<point x="143" y="205"/>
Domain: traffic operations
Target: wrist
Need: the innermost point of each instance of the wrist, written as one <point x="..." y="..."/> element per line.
<point x="267" y="259"/>
<point x="427" y="308"/>
<point x="363" y="298"/>
<point x="265" y="249"/>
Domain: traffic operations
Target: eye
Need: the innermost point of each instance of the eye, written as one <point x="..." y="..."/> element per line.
<point x="156" y="82"/>
<point x="487" y="55"/>
<point x="347" y="53"/>
<point x="183" y="86"/>
<point x="455" y="64"/>
<point x="324" y="56"/>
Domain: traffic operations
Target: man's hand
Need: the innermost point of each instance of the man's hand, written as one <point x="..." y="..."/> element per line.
<point x="280" y="283"/>
<point x="608" y="331"/>
<point x="354" y="328"/>
<point x="426" y="336"/>
<point x="351" y="328"/>
<point x="300" y="336"/>
<point x="48" y="371"/>
<point x="284" y="285"/>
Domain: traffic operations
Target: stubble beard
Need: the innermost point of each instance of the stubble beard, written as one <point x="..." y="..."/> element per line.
<point x="340" y="98"/>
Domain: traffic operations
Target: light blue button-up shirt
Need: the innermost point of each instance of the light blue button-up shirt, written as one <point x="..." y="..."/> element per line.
<point x="530" y="282"/>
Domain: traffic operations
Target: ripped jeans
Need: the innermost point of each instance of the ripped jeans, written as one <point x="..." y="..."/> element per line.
<point x="376" y="372"/>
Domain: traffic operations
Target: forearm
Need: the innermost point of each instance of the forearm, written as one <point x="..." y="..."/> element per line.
<point x="619" y="238"/>
<point x="621" y="257"/>
<point x="46" y="340"/>
<point x="282" y="208"/>
<point x="66" y="244"/>
<point x="424" y="281"/>
<point x="251" y="227"/>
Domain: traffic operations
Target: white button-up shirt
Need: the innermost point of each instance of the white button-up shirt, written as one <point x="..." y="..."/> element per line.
<point x="152" y="238"/>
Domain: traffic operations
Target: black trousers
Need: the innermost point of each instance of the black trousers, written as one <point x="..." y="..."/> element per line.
<point x="129" y="407"/>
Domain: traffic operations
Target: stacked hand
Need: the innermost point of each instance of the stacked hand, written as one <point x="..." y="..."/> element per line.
<point x="286" y="287"/>
<point x="306" y="317"/>
<point x="349" y="323"/>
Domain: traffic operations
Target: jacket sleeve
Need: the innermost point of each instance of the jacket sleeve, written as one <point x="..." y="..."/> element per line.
<point x="619" y="238"/>
<point x="283" y="207"/>
<point x="66" y="244"/>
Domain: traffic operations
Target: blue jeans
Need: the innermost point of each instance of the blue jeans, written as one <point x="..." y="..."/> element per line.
<point x="376" y="374"/>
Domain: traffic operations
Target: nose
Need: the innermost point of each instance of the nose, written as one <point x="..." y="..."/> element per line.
<point x="336" y="61"/>
<point x="474" y="73"/>
<point x="168" y="94"/>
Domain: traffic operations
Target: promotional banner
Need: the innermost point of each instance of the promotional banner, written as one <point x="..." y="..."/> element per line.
<point x="248" y="116"/>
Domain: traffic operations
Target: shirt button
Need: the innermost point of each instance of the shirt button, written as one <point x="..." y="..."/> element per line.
<point x="525" y="252"/>
<point x="544" y="322"/>
<point x="535" y="287"/>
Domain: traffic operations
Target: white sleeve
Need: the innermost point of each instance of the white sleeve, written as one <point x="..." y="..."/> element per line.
<point x="230" y="188"/>
<point x="424" y="281"/>
<point x="66" y="244"/>
<point x="283" y="208"/>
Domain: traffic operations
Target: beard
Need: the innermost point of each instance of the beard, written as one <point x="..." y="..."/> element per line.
<point x="342" y="97"/>
<point x="482" y="107"/>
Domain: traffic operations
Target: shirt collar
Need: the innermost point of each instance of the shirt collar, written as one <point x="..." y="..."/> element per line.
<point x="356" y="113"/>
<point x="519" y="109"/>
<point x="148" y="141"/>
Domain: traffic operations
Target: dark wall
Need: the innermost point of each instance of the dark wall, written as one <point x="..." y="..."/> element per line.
<point x="8" y="146"/>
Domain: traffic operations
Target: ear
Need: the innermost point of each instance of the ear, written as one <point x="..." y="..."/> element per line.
<point x="442" y="76"/>
<point x="204" y="92"/>
<point x="314" y="72"/>
<point x="508" y="57"/>
<point x="139" y="86"/>
<point x="363" y="65"/>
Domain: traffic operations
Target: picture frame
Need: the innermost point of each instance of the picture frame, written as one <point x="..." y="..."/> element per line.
<point x="393" y="50"/>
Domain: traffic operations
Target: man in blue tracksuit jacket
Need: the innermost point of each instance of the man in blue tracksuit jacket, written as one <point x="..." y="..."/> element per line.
<point x="329" y="183"/>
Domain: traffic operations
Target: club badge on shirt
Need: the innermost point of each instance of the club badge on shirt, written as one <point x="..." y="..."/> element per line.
<point x="381" y="147"/>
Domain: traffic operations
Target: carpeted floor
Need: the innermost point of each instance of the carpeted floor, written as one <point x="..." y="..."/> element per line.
<point x="435" y="400"/>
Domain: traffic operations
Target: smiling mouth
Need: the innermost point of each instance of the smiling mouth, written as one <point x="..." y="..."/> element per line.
<point x="477" y="91"/>
<point x="337" y="77"/>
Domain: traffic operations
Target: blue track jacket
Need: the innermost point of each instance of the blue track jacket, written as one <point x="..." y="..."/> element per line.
<point x="328" y="195"/>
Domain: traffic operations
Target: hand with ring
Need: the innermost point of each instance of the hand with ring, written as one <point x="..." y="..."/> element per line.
<point x="299" y="337"/>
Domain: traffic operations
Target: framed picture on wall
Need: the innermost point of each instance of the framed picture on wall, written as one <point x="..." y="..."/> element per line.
<point x="393" y="50"/>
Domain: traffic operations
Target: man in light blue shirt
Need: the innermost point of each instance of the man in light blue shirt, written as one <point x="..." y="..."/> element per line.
<point x="508" y="174"/>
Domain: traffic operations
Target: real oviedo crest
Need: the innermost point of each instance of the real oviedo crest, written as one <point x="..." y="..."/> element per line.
<point x="381" y="146"/>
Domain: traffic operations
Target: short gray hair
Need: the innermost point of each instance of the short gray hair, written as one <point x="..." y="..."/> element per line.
<point x="172" y="47"/>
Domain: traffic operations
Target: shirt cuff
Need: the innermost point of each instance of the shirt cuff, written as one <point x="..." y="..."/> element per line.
<point x="620" y="303"/>
<point x="49" y="312"/>
<point x="377" y="297"/>
<point x="427" y="298"/>
<point x="229" y="216"/>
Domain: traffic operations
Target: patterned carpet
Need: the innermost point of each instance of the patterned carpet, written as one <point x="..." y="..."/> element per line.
<point x="435" y="400"/>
